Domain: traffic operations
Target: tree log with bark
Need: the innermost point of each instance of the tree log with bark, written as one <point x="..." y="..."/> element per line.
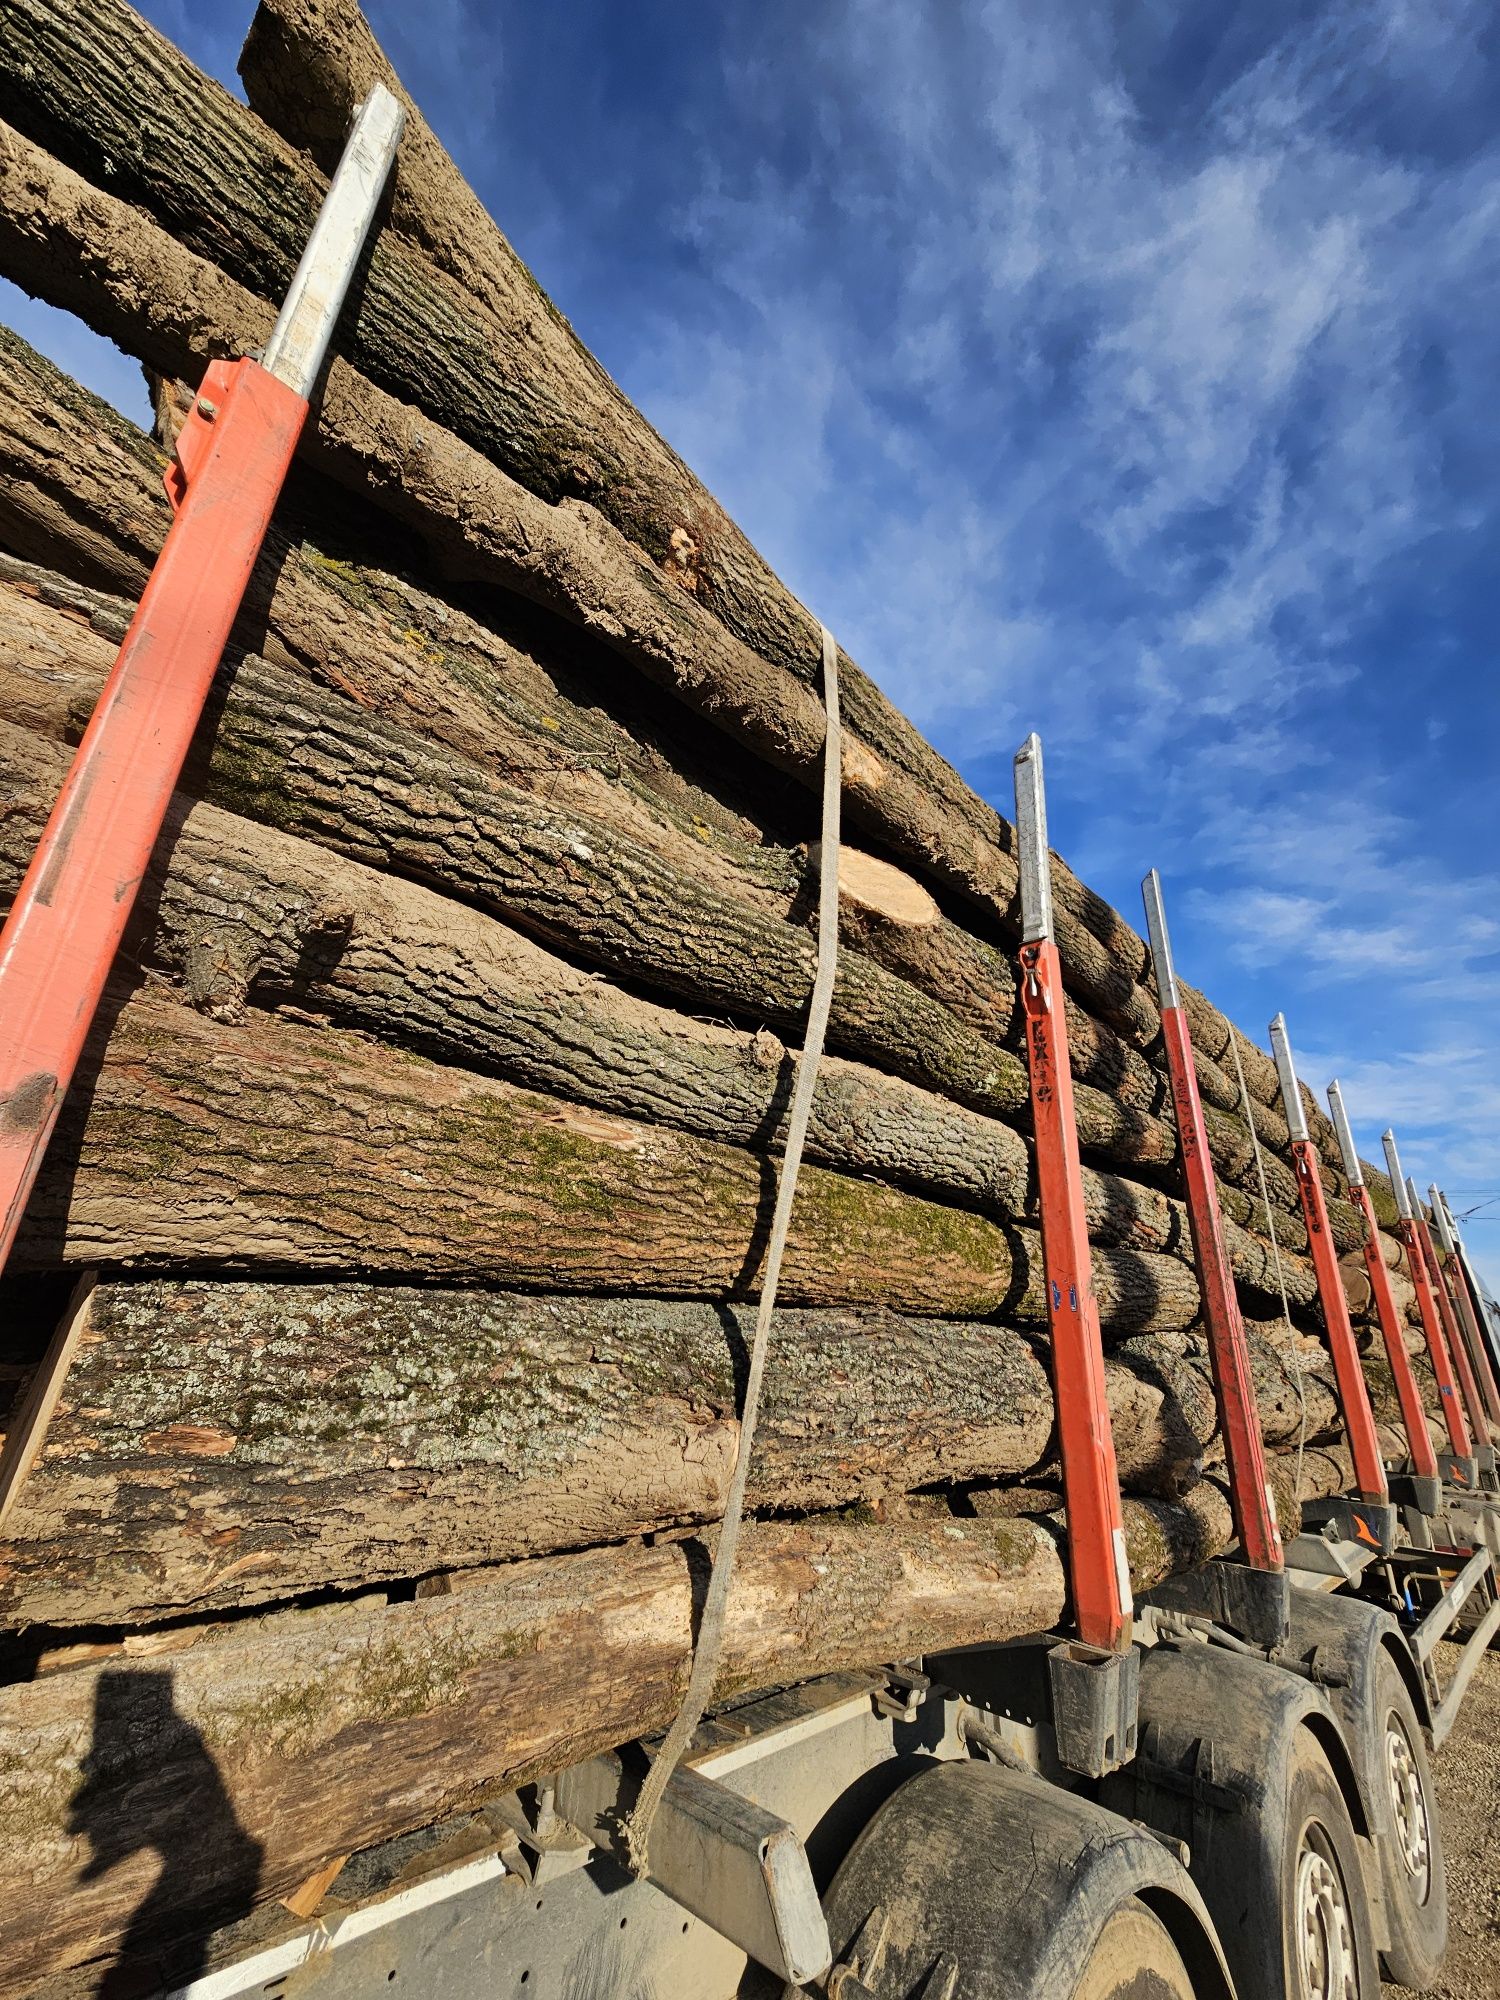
<point x="286" y="1738"/>
<point x="920" y="822"/>
<point x="239" y="912"/>
<point x="265" y="1146"/>
<point x="224" y="1444"/>
<point x="338" y="623"/>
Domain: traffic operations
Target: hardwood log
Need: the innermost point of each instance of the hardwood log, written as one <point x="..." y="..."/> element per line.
<point x="340" y="625"/>
<point x="276" y="1741"/>
<point x="256" y="1753"/>
<point x="249" y="741"/>
<point x="262" y="1145"/>
<point x="240" y="912"/>
<point x="306" y="65"/>
<point x="71" y="245"/>
<point x="49" y="671"/>
<point x="219" y="1445"/>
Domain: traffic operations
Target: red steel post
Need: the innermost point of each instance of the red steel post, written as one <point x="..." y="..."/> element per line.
<point x="1250" y="1498"/>
<point x="65" y="926"/>
<point x="1098" y="1568"/>
<point x="1452" y="1333"/>
<point x="1451" y="1264"/>
<point x="1354" y="1394"/>
<point x="1437" y="1346"/>
<point x="1392" y="1326"/>
<point x="1413" y="1413"/>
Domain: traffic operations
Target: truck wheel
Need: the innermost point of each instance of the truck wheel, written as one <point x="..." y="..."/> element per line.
<point x="1325" y="1925"/>
<point x="1411" y="1853"/>
<point x="1134" y="1958"/>
<point x="974" y="1880"/>
<point x="1232" y="1762"/>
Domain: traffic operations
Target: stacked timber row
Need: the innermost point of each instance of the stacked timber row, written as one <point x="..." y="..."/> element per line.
<point x="421" y="1165"/>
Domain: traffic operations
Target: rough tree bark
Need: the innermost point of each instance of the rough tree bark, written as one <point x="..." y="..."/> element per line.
<point x="392" y="648"/>
<point x="237" y="194"/>
<point x="331" y="1729"/>
<point x="262" y="1146"/>
<point x="72" y="244"/>
<point x="221" y="1444"/>
<point x="399" y="779"/>
<point x="239" y="912"/>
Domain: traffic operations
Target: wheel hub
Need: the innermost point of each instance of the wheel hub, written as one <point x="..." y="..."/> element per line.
<point x="1324" y="1935"/>
<point x="1408" y="1807"/>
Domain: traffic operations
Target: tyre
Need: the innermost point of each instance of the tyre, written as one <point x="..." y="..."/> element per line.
<point x="973" y="1881"/>
<point x="1134" y="1958"/>
<point x="1326" y="1941"/>
<point x="1232" y="1763"/>
<point x="1411" y="1850"/>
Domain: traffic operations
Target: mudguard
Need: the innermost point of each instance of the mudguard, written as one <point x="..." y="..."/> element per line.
<point x="1000" y="1883"/>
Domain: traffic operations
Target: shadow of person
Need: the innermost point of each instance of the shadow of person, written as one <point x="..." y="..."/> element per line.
<point x="150" y="1782"/>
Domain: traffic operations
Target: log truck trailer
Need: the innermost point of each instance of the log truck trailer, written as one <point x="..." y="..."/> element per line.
<point x="1223" y="1790"/>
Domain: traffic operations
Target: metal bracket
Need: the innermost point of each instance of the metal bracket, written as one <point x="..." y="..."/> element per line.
<point x="1416" y="1490"/>
<point x="903" y="1694"/>
<point x="1320" y="1555"/>
<point x="1373" y="1526"/>
<point x="1031" y="835"/>
<point x="727" y="1860"/>
<point x="1095" y="1705"/>
<point x="299" y="340"/>
<point x="1291" y="1096"/>
<point x="1167" y="994"/>
<point x="1353" y="1171"/>
<point x="1254" y="1604"/>
<point x="849" y="1979"/>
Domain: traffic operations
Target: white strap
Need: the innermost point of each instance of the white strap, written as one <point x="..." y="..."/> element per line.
<point x="707" y="1652"/>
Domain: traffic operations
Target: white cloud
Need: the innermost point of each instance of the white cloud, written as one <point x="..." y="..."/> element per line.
<point x="1118" y="414"/>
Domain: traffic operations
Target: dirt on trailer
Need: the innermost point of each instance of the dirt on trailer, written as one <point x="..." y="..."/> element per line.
<point x="1468" y="1789"/>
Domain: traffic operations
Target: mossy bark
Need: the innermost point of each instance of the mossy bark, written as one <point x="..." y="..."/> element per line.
<point x="258" y="1752"/>
<point x="281" y="920"/>
<point x="263" y="1145"/>
<point x="283" y="1739"/>
<point x="72" y="244"/>
<point x="218" y="1445"/>
<point x="392" y="649"/>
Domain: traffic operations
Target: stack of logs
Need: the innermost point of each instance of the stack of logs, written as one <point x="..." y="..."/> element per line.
<point x="422" y="1161"/>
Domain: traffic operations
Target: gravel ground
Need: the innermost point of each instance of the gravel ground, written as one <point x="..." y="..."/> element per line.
<point x="1468" y="1789"/>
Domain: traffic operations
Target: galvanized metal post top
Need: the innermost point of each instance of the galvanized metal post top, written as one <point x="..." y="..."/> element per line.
<point x="1031" y="837"/>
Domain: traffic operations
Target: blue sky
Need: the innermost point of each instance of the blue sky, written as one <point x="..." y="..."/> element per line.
<point x="1125" y="373"/>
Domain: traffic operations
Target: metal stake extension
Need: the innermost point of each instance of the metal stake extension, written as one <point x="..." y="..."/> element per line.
<point x="1476" y="1293"/>
<point x="232" y="456"/>
<point x="1437" y="1346"/>
<point x="1098" y="1569"/>
<point x="1413" y="1415"/>
<point x="1251" y="1502"/>
<point x="1468" y="1387"/>
<point x="1354" y="1395"/>
<point x="1458" y="1292"/>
